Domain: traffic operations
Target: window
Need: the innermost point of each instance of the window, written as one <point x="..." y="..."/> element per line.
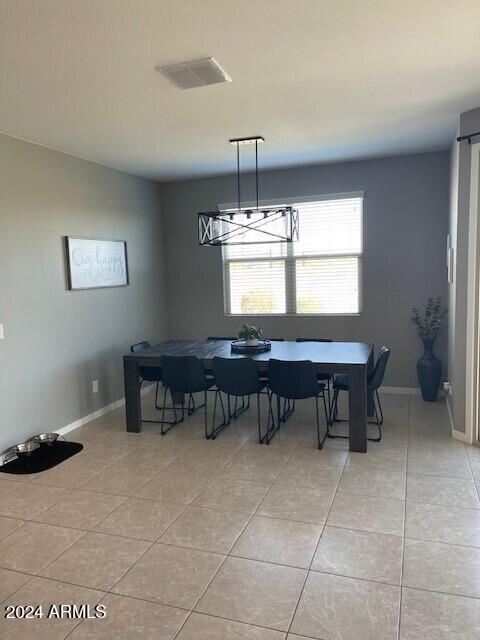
<point x="321" y="273"/>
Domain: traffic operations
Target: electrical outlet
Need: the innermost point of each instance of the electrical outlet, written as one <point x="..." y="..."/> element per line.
<point x="2" y="332"/>
<point x="447" y="387"/>
<point x="95" y="386"/>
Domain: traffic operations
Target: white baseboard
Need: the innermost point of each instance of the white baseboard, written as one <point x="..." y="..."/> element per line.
<point x="459" y="435"/>
<point x="456" y="435"/>
<point x="450" y="414"/>
<point x="404" y="391"/>
<point x="98" y="413"/>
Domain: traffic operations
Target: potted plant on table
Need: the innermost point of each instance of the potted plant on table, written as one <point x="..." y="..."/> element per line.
<point x="429" y="367"/>
<point x="250" y="334"/>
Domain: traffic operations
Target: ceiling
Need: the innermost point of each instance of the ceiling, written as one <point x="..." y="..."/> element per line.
<point x="321" y="80"/>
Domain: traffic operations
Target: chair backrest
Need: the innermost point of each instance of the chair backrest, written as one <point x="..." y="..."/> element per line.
<point x="292" y="379"/>
<point x="238" y="377"/>
<point x="221" y="338"/>
<point x="314" y="340"/>
<point x="140" y="346"/>
<point x="379" y="370"/>
<point x="183" y="374"/>
<point x="276" y="339"/>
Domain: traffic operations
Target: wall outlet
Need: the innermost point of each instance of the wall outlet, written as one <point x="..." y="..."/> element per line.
<point x="2" y="332"/>
<point x="447" y="387"/>
<point x="95" y="386"/>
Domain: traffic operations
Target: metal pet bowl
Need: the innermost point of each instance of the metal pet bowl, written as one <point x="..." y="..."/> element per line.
<point x="24" y="448"/>
<point x="45" y="438"/>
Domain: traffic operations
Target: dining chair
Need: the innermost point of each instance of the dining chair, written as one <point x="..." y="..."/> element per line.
<point x="322" y="377"/>
<point x="238" y="378"/>
<point x="183" y="375"/>
<point x="374" y="381"/>
<point x="237" y="410"/>
<point x="154" y="374"/>
<point x="295" y="380"/>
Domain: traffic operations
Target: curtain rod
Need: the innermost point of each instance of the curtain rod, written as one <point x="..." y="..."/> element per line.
<point x="468" y="137"/>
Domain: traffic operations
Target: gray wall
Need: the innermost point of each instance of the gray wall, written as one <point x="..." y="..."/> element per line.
<point x="406" y="222"/>
<point x="58" y="341"/>
<point x="459" y="221"/>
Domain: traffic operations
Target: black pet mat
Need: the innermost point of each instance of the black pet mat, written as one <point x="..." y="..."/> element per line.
<point x="43" y="458"/>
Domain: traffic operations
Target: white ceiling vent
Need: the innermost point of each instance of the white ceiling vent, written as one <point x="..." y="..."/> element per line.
<point x="197" y="73"/>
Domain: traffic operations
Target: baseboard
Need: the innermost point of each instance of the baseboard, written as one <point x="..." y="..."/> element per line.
<point x="404" y="391"/>
<point x="459" y="435"/>
<point x="450" y="414"/>
<point x="98" y="413"/>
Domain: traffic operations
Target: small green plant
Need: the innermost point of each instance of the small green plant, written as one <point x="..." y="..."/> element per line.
<point x="429" y="324"/>
<point x="249" y="332"/>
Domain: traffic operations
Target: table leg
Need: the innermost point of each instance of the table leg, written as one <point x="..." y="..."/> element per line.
<point x="357" y="408"/>
<point x="133" y="406"/>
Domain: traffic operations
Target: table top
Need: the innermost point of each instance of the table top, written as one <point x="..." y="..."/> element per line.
<point x="320" y="353"/>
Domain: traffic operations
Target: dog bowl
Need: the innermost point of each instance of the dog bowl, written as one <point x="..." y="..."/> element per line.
<point x="45" y="438"/>
<point x="24" y="448"/>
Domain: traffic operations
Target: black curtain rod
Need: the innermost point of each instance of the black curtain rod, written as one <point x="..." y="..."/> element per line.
<point x="468" y="137"/>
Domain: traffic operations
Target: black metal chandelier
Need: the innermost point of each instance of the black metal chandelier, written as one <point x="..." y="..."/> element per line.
<point x="258" y="225"/>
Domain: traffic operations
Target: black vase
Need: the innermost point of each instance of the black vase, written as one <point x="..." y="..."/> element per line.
<point x="429" y="371"/>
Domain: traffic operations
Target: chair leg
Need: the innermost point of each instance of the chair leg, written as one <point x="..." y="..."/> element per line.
<point x="205" y="412"/>
<point x="329" y="399"/>
<point x="258" y="417"/>
<point x="379" y="422"/>
<point x="226" y="416"/>
<point x="271" y="430"/>
<point x="327" y="413"/>
<point x="191" y="405"/>
<point x="318" y="422"/>
<point x="163" y="431"/>
<point x="380" y="407"/>
<point x="321" y="440"/>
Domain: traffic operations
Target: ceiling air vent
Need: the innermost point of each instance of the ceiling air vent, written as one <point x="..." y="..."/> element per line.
<point x="197" y="73"/>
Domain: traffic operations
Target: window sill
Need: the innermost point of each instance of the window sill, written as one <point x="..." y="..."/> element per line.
<point x="293" y="315"/>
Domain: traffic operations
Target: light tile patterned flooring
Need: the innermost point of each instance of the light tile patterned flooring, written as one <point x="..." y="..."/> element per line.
<point x="228" y="540"/>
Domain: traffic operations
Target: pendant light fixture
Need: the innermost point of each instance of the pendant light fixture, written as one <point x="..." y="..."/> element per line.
<point x="248" y="225"/>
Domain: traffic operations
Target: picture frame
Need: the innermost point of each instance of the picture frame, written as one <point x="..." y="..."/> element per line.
<point x="96" y="263"/>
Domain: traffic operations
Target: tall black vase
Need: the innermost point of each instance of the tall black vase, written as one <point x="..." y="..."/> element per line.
<point x="429" y="371"/>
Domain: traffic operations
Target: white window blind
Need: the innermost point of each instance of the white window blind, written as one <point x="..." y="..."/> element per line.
<point x="321" y="273"/>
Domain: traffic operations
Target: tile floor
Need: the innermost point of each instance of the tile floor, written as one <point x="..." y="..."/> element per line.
<point x="228" y="540"/>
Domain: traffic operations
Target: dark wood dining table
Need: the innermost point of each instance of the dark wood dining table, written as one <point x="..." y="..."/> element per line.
<point x="353" y="358"/>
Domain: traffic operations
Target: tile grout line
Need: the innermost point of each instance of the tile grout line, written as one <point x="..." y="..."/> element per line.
<point x="314" y="553"/>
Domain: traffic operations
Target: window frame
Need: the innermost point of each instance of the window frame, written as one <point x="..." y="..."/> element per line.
<point x="290" y="259"/>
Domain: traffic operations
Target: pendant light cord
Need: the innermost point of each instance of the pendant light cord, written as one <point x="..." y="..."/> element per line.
<point x="256" y="168"/>
<point x="238" y="174"/>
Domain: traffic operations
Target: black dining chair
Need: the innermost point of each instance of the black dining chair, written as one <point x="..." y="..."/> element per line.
<point x="183" y="375"/>
<point x="295" y="380"/>
<point x="238" y="378"/>
<point x="374" y="381"/>
<point x="148" y="374"/>
<point x="154" y="374"/>
<point x="237" y="410"/>
<point x="322" y="377"/>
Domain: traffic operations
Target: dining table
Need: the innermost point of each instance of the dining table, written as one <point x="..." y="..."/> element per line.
<point x="352" y="358"/>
